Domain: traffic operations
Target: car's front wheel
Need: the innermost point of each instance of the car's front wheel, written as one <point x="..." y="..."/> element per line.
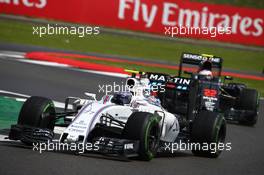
<point x="144" y="127"/>
<point x="208" y="131"/>
<point x="36" y="121"/>
<point x="37" y="112"/>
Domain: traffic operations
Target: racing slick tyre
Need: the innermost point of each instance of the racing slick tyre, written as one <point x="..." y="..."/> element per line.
<point x="144" y="127"/>
<point x="248" y="100"/>
<point x="38" y="114"/>
<point x="207" y="133"/>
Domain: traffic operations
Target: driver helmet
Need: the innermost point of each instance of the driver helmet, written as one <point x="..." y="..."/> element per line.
<point x="205" y="68"/>
<point x="122" y="98"/>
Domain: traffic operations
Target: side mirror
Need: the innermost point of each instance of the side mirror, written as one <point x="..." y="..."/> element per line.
<point x="228" y="78"/>
<point x="90" y="95"/>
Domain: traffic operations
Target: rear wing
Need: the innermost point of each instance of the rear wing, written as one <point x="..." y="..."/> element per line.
<point x="195" y="59"/>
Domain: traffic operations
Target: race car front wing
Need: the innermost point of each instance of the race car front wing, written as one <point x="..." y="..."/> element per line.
<point x="116" y="146"/>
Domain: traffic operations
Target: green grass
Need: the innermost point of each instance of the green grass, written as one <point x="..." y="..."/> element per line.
<point x="9" y="110"/>
<point x="18" y="32"/>
<point x="243" y="3"/>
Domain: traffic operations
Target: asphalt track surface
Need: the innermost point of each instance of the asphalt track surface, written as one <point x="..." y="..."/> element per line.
<point x="246" y="156"/>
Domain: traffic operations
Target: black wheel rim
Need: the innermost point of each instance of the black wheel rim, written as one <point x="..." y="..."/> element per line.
<point x="153" y="139"/>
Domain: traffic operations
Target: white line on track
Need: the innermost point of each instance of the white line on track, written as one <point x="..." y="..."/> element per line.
<point x="53" y="64"/>
<point x="119" y="75"/>
<point x="45" y="63"/>
<point x="14" y="93"/>
<point x="12" y="54"/>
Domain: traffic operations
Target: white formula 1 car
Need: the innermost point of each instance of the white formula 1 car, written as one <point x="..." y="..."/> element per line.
<point x="125" y="124"/>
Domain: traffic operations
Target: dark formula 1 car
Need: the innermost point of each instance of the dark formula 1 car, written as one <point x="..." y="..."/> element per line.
<point x="234" y="100"/>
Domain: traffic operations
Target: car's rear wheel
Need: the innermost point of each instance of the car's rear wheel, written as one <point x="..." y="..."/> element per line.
<point x="144" y="127"/>
<point x="248" y="100"/>
<point x="208" y="131"/>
